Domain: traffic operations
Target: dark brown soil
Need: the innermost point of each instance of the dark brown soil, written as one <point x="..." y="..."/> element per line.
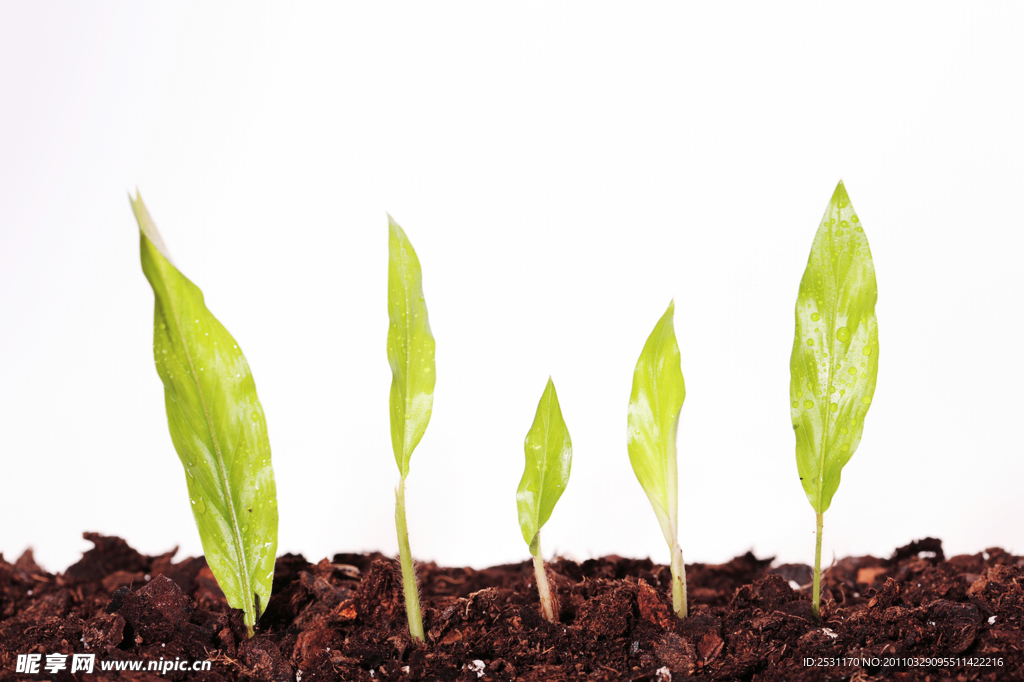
<point x="343" y="619"/>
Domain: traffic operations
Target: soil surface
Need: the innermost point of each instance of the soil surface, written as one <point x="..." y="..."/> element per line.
<point x="914" y="616"/>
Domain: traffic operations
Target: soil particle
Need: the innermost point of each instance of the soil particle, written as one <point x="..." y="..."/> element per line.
<point x="343" y="619"/>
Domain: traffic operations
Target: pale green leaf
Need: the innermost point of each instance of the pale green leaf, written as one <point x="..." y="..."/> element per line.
<point x="410" y="349"/>
<point x="835" y="350"/>
<point x="548" y="460"/>
<point x="654" y="405"/>
<point x="218" y="429"/>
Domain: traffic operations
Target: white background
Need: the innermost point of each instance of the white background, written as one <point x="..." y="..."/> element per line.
<point x="563" y="171"/>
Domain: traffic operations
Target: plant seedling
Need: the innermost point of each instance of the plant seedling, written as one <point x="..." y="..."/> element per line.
<point x="218" y="429"/>
<point x="548" y="460"/>
<point x="835" y="358"/>
<point x="411" y="355"/>
<point x="654" y="406"/>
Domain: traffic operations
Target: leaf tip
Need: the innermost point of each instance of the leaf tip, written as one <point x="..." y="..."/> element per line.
<point x="839" y="196"/>
<point x="146" y="225"/>
<point x="670" y="311"/>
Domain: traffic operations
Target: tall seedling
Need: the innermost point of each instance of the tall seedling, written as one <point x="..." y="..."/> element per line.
<point x="654" y="406"/>
<point x="411" y="354"/>
<point x="835" y="358"/>
<point x="548" y="460"/>
<point x="218" y="428"/>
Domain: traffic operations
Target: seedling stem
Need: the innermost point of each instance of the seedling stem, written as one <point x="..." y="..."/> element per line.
<point x="678" y="581"/>
<point x="546" y="604"/>
<point x="412" y="595"/>
<point x="816" y="596"/>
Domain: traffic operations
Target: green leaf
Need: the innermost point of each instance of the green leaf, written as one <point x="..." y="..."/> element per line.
<point x="548" y="460"/>
<point x="218" y="428"/>
<point x="835" y="350"/>
<point x="654" y="405"/>
<point x="410" y="349"/>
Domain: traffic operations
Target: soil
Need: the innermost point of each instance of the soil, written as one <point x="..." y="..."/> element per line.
<point x="343" y="619"/>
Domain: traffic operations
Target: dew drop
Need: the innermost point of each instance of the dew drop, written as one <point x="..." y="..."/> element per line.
<point x="810" y="342"/>
<point x="255" y="417"/>
<point x="855" y="219"/>
<point x="796" y="404"/>
<point x="833" y="407"/>
<point x="200" y="506"/>
<point x="843" y="333"/>
<point x="845" y="430"/>
<point x="853" y="370"/>
<point x="867" y="350"/>
<point x="815" y="317"/>
<point x="843" y="224"/>
<point x="808" y="404"/>
<point x="866" y="400"/>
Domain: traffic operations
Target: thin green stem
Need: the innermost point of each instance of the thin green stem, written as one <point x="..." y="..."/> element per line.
<point x="547" y="605"/>
<point x="678" y="581"/>
<point x="816" y="595"/>
<point x="412" y="593"/>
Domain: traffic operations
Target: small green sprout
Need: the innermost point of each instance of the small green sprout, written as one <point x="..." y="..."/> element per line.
<point x="411" y="355"/>
<point x="654" y="406"/>
<point x="548" y="460"/>
<point x="218" y="429"/>
<point x="835" y="358"/>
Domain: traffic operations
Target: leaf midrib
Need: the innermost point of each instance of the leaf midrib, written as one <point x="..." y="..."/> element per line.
<point x="831" y="357"/>
<point x="221" y="468"/>
<point x="543" y="463"/>
<point x="663" y="437"/>
<point x="404" y="260"/>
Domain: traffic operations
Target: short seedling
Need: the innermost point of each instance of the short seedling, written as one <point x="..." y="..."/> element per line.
<point x="835" y="358"/>
<point x="548" y="460"/>
<point x="411" y="354"/>
<point x="654" y="406"/>
<point x="218" y="428"/>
